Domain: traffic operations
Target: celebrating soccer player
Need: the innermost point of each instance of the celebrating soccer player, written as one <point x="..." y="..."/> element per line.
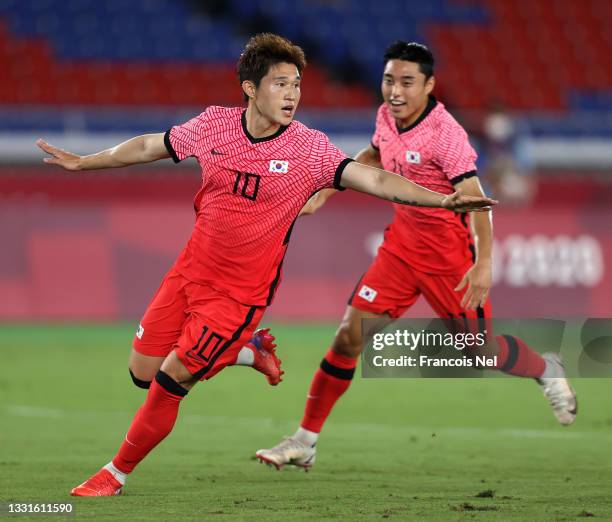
<point x="426" y="251"/>
<point x="259" y="168"/>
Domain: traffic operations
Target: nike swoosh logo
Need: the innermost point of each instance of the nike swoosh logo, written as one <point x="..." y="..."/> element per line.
<point x="312" y="396"/>
<point x="217" y="153"/>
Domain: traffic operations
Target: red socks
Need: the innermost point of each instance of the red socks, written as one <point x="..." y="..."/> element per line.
<point x="516" y="358"/>
<point x="331" y="380"/>
<point x="152" y="423"/>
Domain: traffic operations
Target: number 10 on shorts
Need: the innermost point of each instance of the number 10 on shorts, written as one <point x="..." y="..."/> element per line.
<point x="207" y="346"/>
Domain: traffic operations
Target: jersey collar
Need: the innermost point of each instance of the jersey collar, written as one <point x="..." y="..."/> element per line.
<point x="252" y="139"/>
<point x="431" y="104"/>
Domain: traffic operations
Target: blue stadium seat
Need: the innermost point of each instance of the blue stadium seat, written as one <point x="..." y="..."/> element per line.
<point x="74" y="26"/>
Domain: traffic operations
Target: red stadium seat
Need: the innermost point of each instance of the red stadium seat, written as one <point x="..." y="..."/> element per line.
<point x="555" y="46"/>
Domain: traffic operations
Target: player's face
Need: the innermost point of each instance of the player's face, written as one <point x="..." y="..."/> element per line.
<point x="278" y="94"/>
<point x="405" y="89"/>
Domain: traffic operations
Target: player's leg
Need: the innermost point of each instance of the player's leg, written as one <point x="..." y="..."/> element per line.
<point x="162" y="325"/>
<point x="152" y="423"/>
<point x="259" y="353"/>
<point x="159" y="329"/>
<point x="439" y="291"/>
<point x="384" y="293"/>
<point x="330" y="382"/>
<point x="336" y="371"/>
<point x="216" y="330"/>
<point x="513" y="355"/>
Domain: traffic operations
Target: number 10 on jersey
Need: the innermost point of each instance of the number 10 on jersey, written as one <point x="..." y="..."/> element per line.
<point x="246" y="185"/>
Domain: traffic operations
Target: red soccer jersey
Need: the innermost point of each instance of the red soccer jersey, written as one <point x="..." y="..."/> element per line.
<point x="252" y="191"/>
<point x="435" y="153"/>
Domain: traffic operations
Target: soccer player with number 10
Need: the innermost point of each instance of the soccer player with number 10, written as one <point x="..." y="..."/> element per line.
<point x="259" y="169"/>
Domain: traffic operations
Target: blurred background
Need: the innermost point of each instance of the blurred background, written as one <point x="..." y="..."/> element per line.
<point x="530" y="81"/>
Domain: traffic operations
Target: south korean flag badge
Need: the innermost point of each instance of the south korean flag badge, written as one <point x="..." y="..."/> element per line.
<point x="413" y="156"/>
<point x="367" y="293"/>
<point x="279" y="166"/>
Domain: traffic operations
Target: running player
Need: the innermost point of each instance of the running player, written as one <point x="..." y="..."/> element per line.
<point x="259" y="168"/>
<point x="428" y="252"/>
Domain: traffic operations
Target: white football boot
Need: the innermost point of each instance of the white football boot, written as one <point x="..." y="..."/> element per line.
<point x="290" y="451"/>
<point x="560" y="395"/>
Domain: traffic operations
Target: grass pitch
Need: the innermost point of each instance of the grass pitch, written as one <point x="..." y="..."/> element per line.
<point x="485" y="449"/>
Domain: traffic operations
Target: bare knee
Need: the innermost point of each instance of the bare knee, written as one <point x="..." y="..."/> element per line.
<point x="349" y="336"/>
<point x="143" y="368"/>
<point x="347" y="341"/>
<point x="145" y="384"/>
<point x="175" y="369"/>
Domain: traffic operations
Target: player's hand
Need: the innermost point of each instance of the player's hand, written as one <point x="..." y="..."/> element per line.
<point x="460" y="202"/>
<point x="60" y="157"/>
<point x="478" y="279"/>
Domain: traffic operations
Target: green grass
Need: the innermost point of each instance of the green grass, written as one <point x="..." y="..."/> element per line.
<point x="398" y="449"/>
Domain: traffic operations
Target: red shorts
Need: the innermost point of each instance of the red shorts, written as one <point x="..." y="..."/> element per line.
<point x="391" y="286"/>
<point x="207" y="329"/>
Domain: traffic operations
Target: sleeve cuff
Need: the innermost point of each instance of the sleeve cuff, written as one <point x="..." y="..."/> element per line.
<point x="461" y="177"/>
<point x="339" y="171"/>
<point x="169" y="147"/>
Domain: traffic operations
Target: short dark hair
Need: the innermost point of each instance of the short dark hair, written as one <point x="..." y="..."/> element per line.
<point x="263" y="51"/>
<point x="412" y="52"/>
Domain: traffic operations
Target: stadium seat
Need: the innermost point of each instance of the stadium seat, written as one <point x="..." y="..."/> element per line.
<point x="87" y="52"/>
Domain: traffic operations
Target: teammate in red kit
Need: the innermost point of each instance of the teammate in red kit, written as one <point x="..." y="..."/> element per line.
<point x="259" y="169"/>
<point x="426" y="251"/>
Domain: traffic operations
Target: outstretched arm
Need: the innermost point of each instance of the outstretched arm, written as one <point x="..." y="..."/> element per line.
<point x="141" y="149"/>
<point x="392" y="187"/>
